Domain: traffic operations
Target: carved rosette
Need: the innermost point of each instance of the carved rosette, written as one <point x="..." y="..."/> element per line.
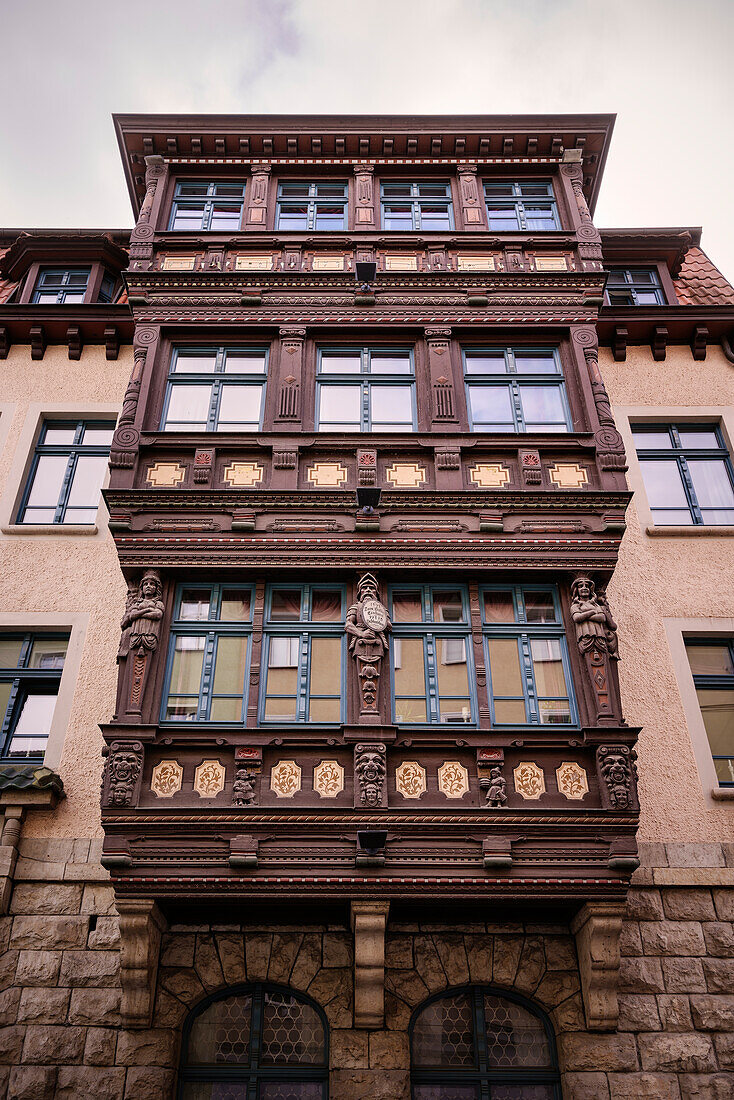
<point x="615" y="765"/>
<point x="370" y="773"/>
<point x="123" y="769"/>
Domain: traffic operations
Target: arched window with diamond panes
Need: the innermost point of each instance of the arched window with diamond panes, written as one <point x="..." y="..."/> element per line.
<point x="477" y="1043"/>
<point x="255" y="1042"/>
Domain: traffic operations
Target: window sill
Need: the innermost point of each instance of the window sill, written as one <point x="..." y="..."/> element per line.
<point x="75" y="529"/>
<point x="723" y="794"/>
<point x="689" y="530"/>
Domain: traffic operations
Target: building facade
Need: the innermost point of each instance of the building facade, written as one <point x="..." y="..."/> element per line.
<point x="395" y="645"/>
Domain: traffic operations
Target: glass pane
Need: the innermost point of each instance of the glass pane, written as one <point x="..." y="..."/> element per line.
<point x="188" y="659"/>
<point x="443" y="1034"/>
<point x="391" y="404"/>
<point x="536" y="362"/>
<point x="539" y="607"/>
<point x="540" y="218"/>
<point x="292" y="1033"/>
<point x="181" y="709"/>
<point x="98" y="437"/>
<point x="725" y="769"/>
<point x="515" y="1038"/>
<point x="433" y="218"/>
<point x="397" y="217"/>
<point x="47" y="482"/>
<point x="663" y="485"/>
<point x="46" y="299"/>
<point x="35" y="716"/>
<point x="340" y="406"/>
<point x="326" y="662"/>
<point x="48" y="653"/>
<point x="410" y="679"/>
<point x="86" y="483"/>
<point x="221" y="1034"/>
<point x="486" y="363"/>
<point x="229" y="672"/>
<point x="188" y="217"/>
<point x="225" y="709"/>
<point x="510" y="712"/>
<point x="244" y="364"/>
<point x="448" y="607"/>
<point x="548" y="666"/>
<point x="284" y="653"/>
<point x="647" y="297"/>
<point x="229" y="190"/>
<point x="5" y="690"/>
<point x="193" y="188"/>
<point x="10" y="652"/>
<point x="188" y="406"/>
<point x="285" y="605"/>
<point x="503" y="220"/>
<point x="240" y="406"/>
<point x="406" y="607"/>
<point x="225" y="217"/>
<point x="235" y="606"/>
<point x="499" y="188"/>
<point x="390" y="362"/>
<point x="453" y="680"/>
<point x="71" y="297"/>
<point x="445" y="1092"/>
<point x="214" y="1090"/>
<point x="59" y="436"/>
<point x="291" y="1090"/>
<point x="710" y="659"/>
<point x="717" y="708"/>
<point x="195" y="604"/>
<point x="280" y="709"/>
<point x="195" y="362"/>
<point x="325" y="710"/>
<point x="293" y="218"/>
<point x="542" y="405"/>
<point x="699" y="439"/>
<point x="329" y="217"/>
<point x="340" y="362"/>
<point x="712" y="484"/>
<point x="326" y="606"/>
<point x="331" y="190"/>
<point x="554" y="712"/>
<point x="499" y="607"/>
<point x="504" y="661"/>
<point x="652" y="441"/>
<point x="491" y="407"/>
<point x="528" y="189"/>
<point x="523" y="1092"/>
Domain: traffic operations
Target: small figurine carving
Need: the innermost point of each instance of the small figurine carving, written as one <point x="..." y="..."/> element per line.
<point x="123" y="771"/>
<point x="367" y="624"/>
<point x="496" y="788"/>
<point x="616" y="771"/>
<point x="370" y="769"/>
<point x="243" y="788"/>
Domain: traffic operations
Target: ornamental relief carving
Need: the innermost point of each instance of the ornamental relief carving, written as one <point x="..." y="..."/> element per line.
<point x="367" y="626"/>
<point x="572" y="781"/>
<point x="209" y="778"/>
<point x="370" y="771"/>
<point x="453" y="779"/>
<point x="410" y="779"/>
<point x="328" y="779"/>
<point x="285" y="779"/>
<point x="166" y="778"/>
<point x="529" y="781"/>
<point x="122" y="772"/>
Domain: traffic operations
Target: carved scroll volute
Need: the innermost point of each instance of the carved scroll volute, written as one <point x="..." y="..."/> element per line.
<point x="141" y="238"/>
<point x="141" y="629"/>
<point x="257" y="205"/>
<point x="367" y="626"/>
<point x="438" y="342"/>
<point x="122" y="773"/>
<point x="609" y="443"/>
<point x="471" y="210"/>
<point x="589" y="238"/>
<point x="370" y="776"/>
<point x="596" y="636"/>
<point x="365" y="202"/>
<point x="292" y="341"/>
<point x="126" y="437"/>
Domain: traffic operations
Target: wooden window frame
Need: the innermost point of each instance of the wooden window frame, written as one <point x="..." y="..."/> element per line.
<point x="74" y="451"/>
<point x="512" y="379"/>
<point x="681" y="455"/>
<point x="22" y="680"/>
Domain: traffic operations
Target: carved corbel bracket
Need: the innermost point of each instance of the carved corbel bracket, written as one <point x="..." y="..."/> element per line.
<point x="141" y="926"/>
<point x="597" y="927"/>
<point x="369" y="920"/>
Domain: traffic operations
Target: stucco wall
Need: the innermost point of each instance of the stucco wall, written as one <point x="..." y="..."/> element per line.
<point x="67" y="579"/>
<point x="669" y="577"/>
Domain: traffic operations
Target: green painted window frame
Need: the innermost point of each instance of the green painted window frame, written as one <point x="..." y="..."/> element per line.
<point x="518" y="201"/>
<point x="65" y="288"/>
<point x="63" y="510"/>
<point x="417" y="201"/>
<point x="217" y="378"/>
<point x="367" y="382"/>
<point x="314" y="201"/>
<point x="683" y="455"/>
<point x="23" y="681"/>
<point x="208" y="201"/>
<point x="515" y="380"/>
<point x="631" y="284"/>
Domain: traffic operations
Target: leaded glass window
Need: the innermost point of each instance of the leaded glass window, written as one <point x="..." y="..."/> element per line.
<point x="481" y="1044"/>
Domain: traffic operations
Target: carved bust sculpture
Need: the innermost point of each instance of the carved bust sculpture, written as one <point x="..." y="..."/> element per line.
<point x="592" y="617"/>
<point x="370" y="770"/>
<point x="143" y="615"/>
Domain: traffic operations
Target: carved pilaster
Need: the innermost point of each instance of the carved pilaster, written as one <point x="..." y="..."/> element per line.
<point x="438" y="342"/>
<point x="369" y="920"/>
<point x="141" y="238"/>
<point x="257" y="206"/>
<point x="292" y="341"/>
<point x="597" y="927"/>
<point x="365" y="202"/>
<point x="609" y="443"/>
<point x="126" y="437"/>
<point x="141" y="925"/>
<point x="471" y="210"/>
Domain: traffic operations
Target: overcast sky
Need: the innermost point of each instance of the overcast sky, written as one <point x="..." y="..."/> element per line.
<point x="663" y="66"/>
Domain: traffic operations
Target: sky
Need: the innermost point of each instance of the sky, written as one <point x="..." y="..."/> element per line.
<point x="664" y="67"/>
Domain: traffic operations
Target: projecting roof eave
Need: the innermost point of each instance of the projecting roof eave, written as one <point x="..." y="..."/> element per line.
<point x="359" y="137"/>
<point x="656" y="243"/>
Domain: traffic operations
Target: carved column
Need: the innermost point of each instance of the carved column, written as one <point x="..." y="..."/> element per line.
<point x="257" y="205"/>
<point x="609" y="443"/>
<point x="141" y="925"/>
<point x="141" y="238"/>
<point x="597" y="927"/>
<point x="292" y="342"/>
<point x="126" y="438"/>
<point x="12" y="824"/>
<point x="365" y="200"/>
<point x="588" y="235"/>
<point x="438" y="342"/>
<point x="369" y="920"/>
<point x="471" y="210"/>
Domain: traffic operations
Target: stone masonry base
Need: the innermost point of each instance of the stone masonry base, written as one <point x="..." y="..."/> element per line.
<point x="60" y="1033"/>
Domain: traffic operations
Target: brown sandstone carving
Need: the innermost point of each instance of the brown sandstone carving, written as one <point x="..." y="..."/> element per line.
<point x="243" y="788"/>
<point x="597" y="927"/>
<point x="496" y="787"/>
<point x="142" y="620"/>
<point x="370" y="770"/>
<point x="368" y="624"/>
<point x="615" y="766"/>
<point x="369" y="919"/>
<point x="141" y="925"/>
<point x="597" y="639"/>
<point x="123" y="770"/>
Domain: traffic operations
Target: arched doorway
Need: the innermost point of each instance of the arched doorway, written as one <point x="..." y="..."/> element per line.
<point x="255" y="1042"/>
<point x="479" y="1043"/>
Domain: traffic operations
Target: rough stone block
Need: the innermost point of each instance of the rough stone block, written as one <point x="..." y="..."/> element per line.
<point x="531" y="967"/>
<point x="585" y="1086"/>
<point x="207" y="964"/>
<point x="99" y="1082"/>
<point x="724" y="902"/>
<point x="95" y="1006"/>
<point x="90" y="968"/>
<point x="51" y="1044"/>
<point x="398" y="952"/>
<point x="639" y="975"/>
<point x="49" y="933"/>
<point x="169" y="1011"/>
<point x="105" y="935"/>
<point x="644" y="905"/>
<point x="719" y="974"/>
<point x="43" y="1006"/>
<point x="349" y="1049"/>
<point x="337" y="949"/>
<point x="599" y="1052"/>
<point x="32" y="1083"/>
<point x="713" y="1013"/>
<point x="427" y="963"/>
<point x="348" y="1084"/>
<point x="507" y="951"/>
<point x="183" y="984"/>
<point x="560" y="953"/>
<point x="692" y="904"/>
<point x="711" y="1086"/>
<point x="719" y="937"/>
<point x="145" y="1082"/>
<point x="99" y="899"/>
<point x="231" y="948"/>
<point x="725" y="1049"/>
<point x="694" y="855"/>
<point x="681" y="937"/>
<point x="684" y="976"/>
<point x="644" y="1086"/>
<point x="177" y="949"/>
<point x="677" y="1053"/>
<point x="99" y="1048"/>
<point x="35" y="899"/>
<point x="652" y="854"/>
<point x="11" y="1044"/>
<point x="630" y="942"/>
<point x="38" y="967"/>
<point x="638" y="1012"/>
<point x="152" y="1047"/>
<point x="675" y="1012"/>
<point x="557" y="986"/>
<point x="9" y="1001"/>
<point x="258" y="946"/>
<point x="452" y="954"/>
<point x="389" y="1050"/>
<point x="569" y="1016"/>
<point x="308" y="961"/>
<point x="479" y="957"/>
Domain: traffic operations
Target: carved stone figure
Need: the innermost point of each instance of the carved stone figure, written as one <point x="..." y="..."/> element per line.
<point x="370" y="770"/>
<point x="610" y="627"/>
<point x="367" y="625"/>
<point x="615" y="767"/>
<point x="142" y="622"/>
<point x="243" y="788"/>
<point x="589" y="615"/>
<point x="123" y="772"/>
<point x="496" y="788"/>
<point x="124" y="649"/>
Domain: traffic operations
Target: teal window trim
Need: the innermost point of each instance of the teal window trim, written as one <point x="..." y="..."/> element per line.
<point x="210" y="630"/>
<point x="207" y="200"/>
<point x="64" y="511"/>
<point x="367" y="382"/>
<point x="23" y="681"/>
<point x="216" y="379"/>
<point x="294" y="193"/>
<point x="430" y="631"/>
<point x="625" y="285"/>
<point x="306" y="631"/>
<point x="411" y="194"/>
<point x="524" y="633"/>
<point x="682" y="454"/>
<point x="517" y="202"/>
<point x="64" y="282"/>
<point x="514" y="379"/>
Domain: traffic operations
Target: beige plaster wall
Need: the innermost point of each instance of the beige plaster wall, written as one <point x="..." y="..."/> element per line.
<point x="65" y="578"/>
<point x="670" y="577"/>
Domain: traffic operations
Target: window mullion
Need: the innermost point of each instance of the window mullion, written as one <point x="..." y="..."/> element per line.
<point x="303" y="676"/>
<point x="366" y="407"/>
<point x="214" y="406"/>
<point x="431" y="673"/>
<point x="66" y="484"/>
<point x="689" y="490"/>
<point x="207" y="676"/>
<point x="517" y="405"/>
<point x="531" y="696"/>
<point x="8" y="719"/>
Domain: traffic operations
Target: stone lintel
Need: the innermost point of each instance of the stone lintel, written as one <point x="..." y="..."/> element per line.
<point x="369" y="920"/>
<point x="141" y="925"/>
<point x="693" y="876"/>
<point x="597" y="927"/>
